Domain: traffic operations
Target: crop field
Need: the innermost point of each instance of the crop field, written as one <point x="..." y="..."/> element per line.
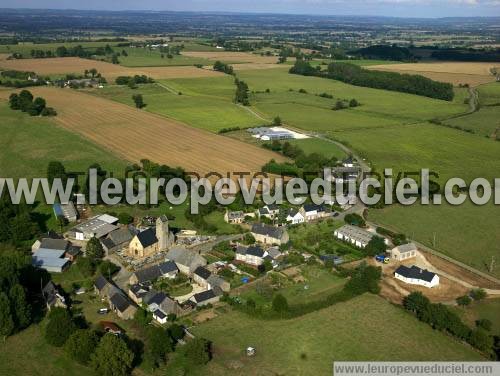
<point x="135" y="134"/>
<point x="205" y="103"/>
<point x="365" y="328"/>
<point x="65" y="65"/>
<point x="144" y="57"/>
<point x="231" y="57"/>
<point x="378" y="108"/>
<point x="456" y="73"/>
<point x="28" y="144"/>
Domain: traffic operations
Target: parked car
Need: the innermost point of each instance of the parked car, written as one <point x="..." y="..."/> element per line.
<point x="102" y="311"/>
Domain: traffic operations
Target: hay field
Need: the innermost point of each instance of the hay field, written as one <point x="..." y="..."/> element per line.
<point x="455" y="73"/>
<point x="232" y="57"/>
<point x="64" y="65"/>
<point x="136" y="134"/>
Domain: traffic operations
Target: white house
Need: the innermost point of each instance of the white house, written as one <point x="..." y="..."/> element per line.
<point x="415" y="276"/>
<point x="311" y="212"/>
<point x="404" y="252"/>
<point x="294" y="217"/>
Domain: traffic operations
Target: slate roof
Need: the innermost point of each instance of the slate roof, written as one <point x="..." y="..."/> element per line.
<point x="415" y="272"/>
<point x="215" y="281"/>
<point x="271" y="231"/>
<point x="273" y="207"/>
<point x="147" y="237"/>
<point x="313" y="207"/>
<point x="263" y="211"/>
<point x="292" y="212"/>
<point x="157" y="298"/>
<point x="185" y="257"/>
<point x="148" y="274"/>
<point x="139" y="290"/>
<point x="167" y="267"/>
<point x="73" y="250"/>
<point x="205" y="295"/>
<point x="202" y="272"/>
<point x="120" y="302"/>
<point x="100" y="282"/>
<point x="159" y="313"/>
<point x="406" y="247"/>
<point x="255" y="250"/>
<point x="54" y="244"/>
<point x="120" y="236"/>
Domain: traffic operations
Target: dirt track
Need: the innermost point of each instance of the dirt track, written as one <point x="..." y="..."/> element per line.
<point x="135" y="134"/>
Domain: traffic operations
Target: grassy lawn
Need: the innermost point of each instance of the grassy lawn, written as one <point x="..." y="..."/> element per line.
<point x="211" y="108"/>
<point x="365" y="328"/>
<point x="27" y="353"/>
<point x="316" y="145"/>
<point x="28" y="144"/>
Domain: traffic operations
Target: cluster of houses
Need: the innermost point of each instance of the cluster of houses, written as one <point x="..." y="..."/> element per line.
<point x="293" y="216"/>
<point x="53" y="253"/>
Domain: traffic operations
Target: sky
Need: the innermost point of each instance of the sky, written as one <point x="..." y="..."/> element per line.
<point x="396" y="8"/>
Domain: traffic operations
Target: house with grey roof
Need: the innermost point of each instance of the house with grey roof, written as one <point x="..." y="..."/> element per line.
<point x="186" y="260"/>
<point x="53" y="296"/>
<point x="118" y="239"/>
<point x="252" y="255"/>
<point x="167" y="269"/>
<point x="294" y="216"/>
<point x="98" y="226"/>
<point x="116" y="298"/>
<point x="205" y="297"/>
<point x="51" y="254"/>
<point x="269" y="234"/>
<point x="200" y="276"/>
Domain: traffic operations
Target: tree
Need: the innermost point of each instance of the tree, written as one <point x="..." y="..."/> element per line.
<point x="198" y="351"/>
<point x="59" y="327"/>
<point x="112" y="357"/>
<point x="125" y="218"/>
<point x="176" y="332"/>
<point x="416" y="302"/>
<point x="81" y="345"/>
<point x="22" y="227"/>
<point x="108" y="268"/>
<point x="375" y="246"/>
<point x="14" y="102"/>
<point x="280" y="304"/>
<point x="86" y="266"/>
<point x="142" y="317"/>
<point x="484" y="324"/>
<point x="464" y="300"/>
<point x="277" y="121"/>
<point x="56" y="169"/>
<point x="38" y="105"/>
<point x="6" y="320"/>
<point x="478" y="294"/>
<point x="138" y="100"/>
<point x="339" y="105"/>
<point x="158" y="345"/>
<point x="481" y="340"/>
<point x="94" y="250"/>
<point x="353" y="103"/>
<point x="20" y="308"/>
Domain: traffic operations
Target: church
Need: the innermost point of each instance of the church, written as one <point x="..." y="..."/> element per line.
<point x="152" y="240"/>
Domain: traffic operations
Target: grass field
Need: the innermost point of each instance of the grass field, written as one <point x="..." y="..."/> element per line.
<point x="484" y="122"/>
<point x="28" y="144"/>
<point x="205" y="103"/>
<point x="456" y="73"/>
<point x="231" y="57"/>
<point x="25" y="48"/>
<point x="486" y="309"/>
<point x="135" y="135"/>
<point x="316" y="145"/>
<point x="489" y="94"/>
<point x="378" y="108"/>
<point x="365" y="328"/>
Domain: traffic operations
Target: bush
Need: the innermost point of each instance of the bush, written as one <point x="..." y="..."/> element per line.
<point x="198" y="351"/>
<point x="81" y="345"/>
<point x="59" y="327"/>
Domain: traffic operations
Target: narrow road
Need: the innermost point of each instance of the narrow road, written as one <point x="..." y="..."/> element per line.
<point x="167" y="88"/>
<point x="254" y="113"/>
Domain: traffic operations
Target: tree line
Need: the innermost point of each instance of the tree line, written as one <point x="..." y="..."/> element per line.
<point x="25" y="102"/>
<point x="357" y="76"/>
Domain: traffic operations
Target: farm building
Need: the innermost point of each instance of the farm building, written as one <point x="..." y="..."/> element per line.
<point x="149" y="242"/>
<point x="354" y="235"/>
<point x="186" y="260"/>
<point x="116" y="298"/>
<point x="404" y="252"/>
<point x="204" y="298"/>
<point x="345" y="174"/>
<point x="270" y="134"/>
<point x="200" y="276"/>
<point x="269" y="234"/>
<point x="52" y="255"/>
<point x="415" y="276"/>
<point x="166" y="269"/>
<point x="138" y="291"/>
<point x="98" y="226"/>
<point x="66" y="211"/>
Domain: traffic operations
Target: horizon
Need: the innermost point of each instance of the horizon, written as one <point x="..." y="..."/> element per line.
<point x="409" y="9"/>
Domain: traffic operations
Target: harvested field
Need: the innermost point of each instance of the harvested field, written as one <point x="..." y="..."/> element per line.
<point x="455" y="73"/>
<point x="76" y="65"/>
<point x="257" y="66"/>
<point x="136" y="134"/>
<point x="232" y="57"/>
